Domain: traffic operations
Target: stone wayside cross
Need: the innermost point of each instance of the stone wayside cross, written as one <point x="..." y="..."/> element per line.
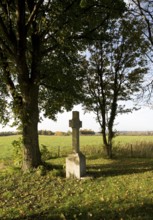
<point x="75" y="124"/>
<point x="76" y="161"/>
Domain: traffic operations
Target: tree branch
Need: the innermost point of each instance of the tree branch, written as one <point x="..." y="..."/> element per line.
<point x="7" y="74"/>
<point x="8" y="31"/>
<point x="6" y="47"/>
<point x="33" y="13"/>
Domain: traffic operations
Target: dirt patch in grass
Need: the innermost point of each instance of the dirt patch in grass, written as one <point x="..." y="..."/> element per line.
<point x="2" y="166"/>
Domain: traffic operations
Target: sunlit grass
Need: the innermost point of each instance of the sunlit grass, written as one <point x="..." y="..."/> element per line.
<point x="62" y="145"/>
<point x="116" y="189"/>
<point x="6" y="146"/>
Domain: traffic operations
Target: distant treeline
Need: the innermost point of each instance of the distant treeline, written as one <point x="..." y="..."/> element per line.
<point x="61" y="133"/>
<point x="82" y="132"/>
<point x="9" y="133"/>
<point x="136" y="133"/>
<point x="49" y="133"/>
<point x="87" y="132"/>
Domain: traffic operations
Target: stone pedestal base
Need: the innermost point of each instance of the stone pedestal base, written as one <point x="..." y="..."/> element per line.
<point x="75" y="165"/>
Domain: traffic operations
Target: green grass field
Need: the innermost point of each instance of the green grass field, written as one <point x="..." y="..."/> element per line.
<point x="52" y="142"/>
<point x="118" y="189"/>
<point x="64" y="143"/>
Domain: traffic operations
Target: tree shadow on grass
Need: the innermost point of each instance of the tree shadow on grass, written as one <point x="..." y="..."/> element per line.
<point x="117" y="167"/>
<point x="120" y="167"/>
<point x="50" y="166"/>
<point x="96" y="211"/>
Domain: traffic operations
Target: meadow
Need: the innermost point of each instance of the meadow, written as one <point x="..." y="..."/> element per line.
<point x="118" y="189"/>
<point x="62" y="145"/>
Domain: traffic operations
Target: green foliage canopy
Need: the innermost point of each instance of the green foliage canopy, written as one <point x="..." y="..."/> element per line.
<point x="39" y="44"/>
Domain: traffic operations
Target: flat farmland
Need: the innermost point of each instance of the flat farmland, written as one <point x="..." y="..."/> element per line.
<point x="63" y="144"/>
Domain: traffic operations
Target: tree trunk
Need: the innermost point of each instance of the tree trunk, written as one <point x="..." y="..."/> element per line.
<point x="30" y="118"/>
<point x="110" y="138"/>
<point x="107" y="144"/>
<point x="109" y="151"/>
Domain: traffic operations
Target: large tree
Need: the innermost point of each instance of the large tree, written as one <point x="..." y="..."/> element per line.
<point x="143" y="10"/>
<point x="115" y="71"/>
<point x="40" y="54"/>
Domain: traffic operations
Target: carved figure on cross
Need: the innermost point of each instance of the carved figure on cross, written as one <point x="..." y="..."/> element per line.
<point x="75" y="124"/>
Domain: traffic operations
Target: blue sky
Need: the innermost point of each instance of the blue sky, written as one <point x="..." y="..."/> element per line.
<point x="141" y="120"/>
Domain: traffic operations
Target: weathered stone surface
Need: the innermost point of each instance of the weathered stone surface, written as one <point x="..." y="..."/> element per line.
<point x="75" y="165"/>
<point x="75" y="124"/>
<point x="75" y="162"/>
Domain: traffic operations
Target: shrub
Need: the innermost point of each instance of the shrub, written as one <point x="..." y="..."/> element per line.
<point x="87" y="132"/>
<point x="45" y="153"/>
<point x="61" y="133"/>
<point x="17" y="151"/>
<point x="8" y="133"/>
<point x="45" y="132"/>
